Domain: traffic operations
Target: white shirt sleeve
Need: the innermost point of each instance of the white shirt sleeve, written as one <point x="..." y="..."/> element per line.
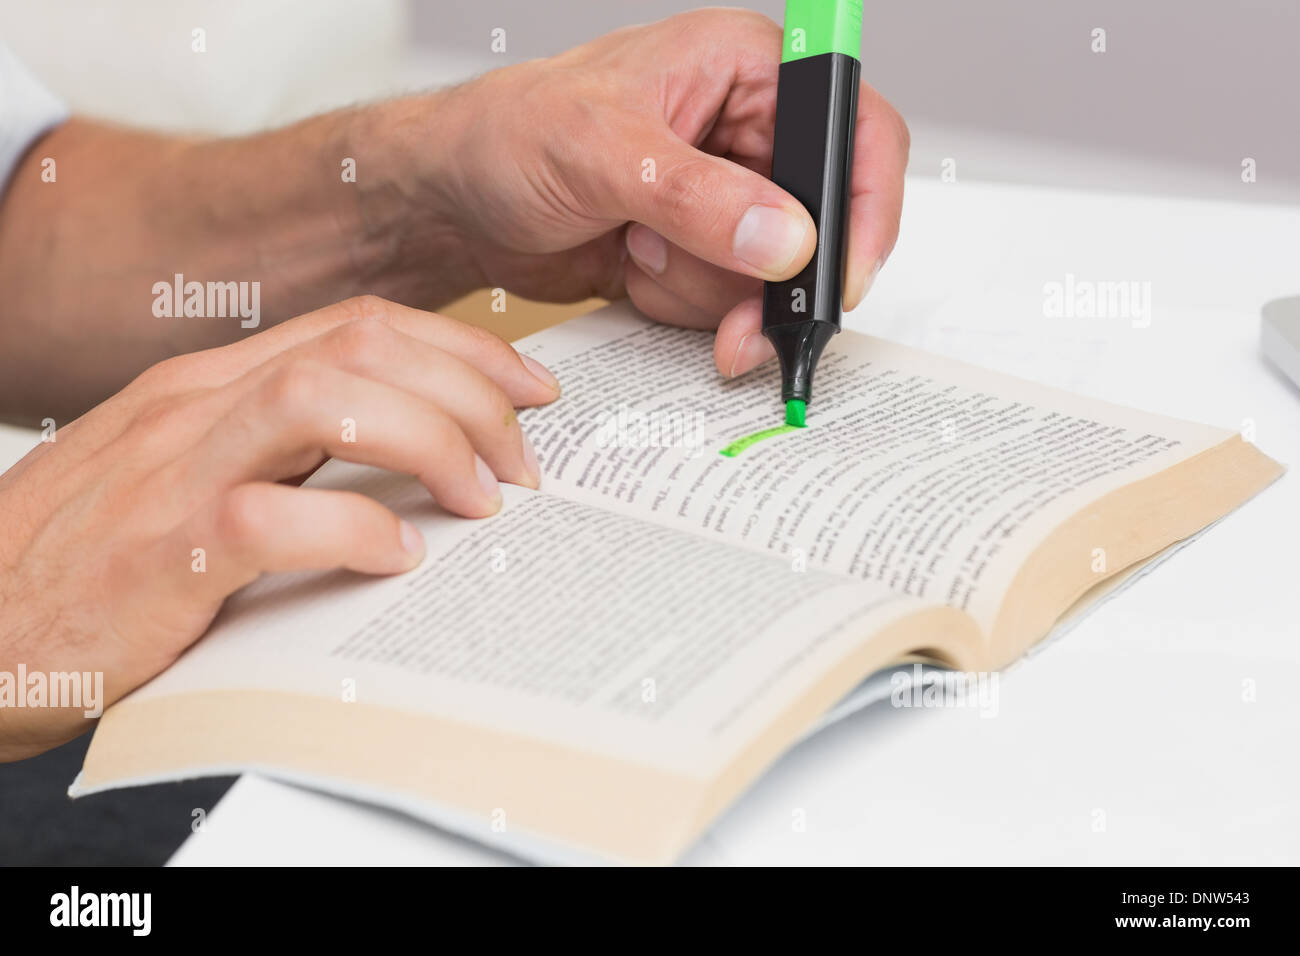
<point x="27" y="111"/>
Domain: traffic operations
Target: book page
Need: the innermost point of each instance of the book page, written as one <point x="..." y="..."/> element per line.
<point x="550" y="620"/>
<point x="926" y="476"/>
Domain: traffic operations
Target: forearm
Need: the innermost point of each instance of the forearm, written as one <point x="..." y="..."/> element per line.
<point x="80" y="256"/>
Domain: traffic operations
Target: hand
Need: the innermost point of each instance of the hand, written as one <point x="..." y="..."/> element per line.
<point x="546" y="169"/>
<point x="97" y="545"/>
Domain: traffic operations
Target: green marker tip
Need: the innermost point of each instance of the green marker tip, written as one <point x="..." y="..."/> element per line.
<point x="795" y="411"/>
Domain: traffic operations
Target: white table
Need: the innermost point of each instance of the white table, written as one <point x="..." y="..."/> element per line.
<point x="1129" y="741"/>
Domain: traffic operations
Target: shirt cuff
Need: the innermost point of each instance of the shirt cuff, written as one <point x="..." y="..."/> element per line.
<point x="27" y="112"/>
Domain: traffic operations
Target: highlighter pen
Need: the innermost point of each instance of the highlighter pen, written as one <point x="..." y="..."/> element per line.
<point x="812" y="159"/>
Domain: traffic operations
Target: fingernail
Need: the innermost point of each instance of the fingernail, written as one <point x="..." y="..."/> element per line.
<point x="541" y="373"/>
<point x="412" y="541"/>
<point x="648" y="248"/>
<point x="530" y="462"/>
<point x="753" y="350"/>
<point x="875" y="271"/>
<point x="769" y="238"/>
<point x="851" y="302"/>
<point x="487" y="480"/>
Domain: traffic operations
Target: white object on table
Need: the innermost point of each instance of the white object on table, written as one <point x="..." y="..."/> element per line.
<point x="1279" y="336"/>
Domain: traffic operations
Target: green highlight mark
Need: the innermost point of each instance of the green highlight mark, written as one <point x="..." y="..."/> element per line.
<point x="740" y="444"/>
<point x="795" y="412"/>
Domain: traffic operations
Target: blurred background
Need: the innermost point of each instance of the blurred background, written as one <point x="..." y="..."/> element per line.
<point x="1012" y="90"/>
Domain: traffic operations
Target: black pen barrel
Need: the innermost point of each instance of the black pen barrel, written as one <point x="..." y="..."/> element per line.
<point x="812" y="159"/>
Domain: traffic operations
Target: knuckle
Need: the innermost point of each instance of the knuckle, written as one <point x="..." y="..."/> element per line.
<point x="155" y="418"/>
<point x="485" y="342"/>
<point x="731" y="20"/>
<point x="367" y="306"/>
<point x="723" y="19"/>
<point x="366" y="341"/>
<point x="163" y="376"/>
<point x="499" y="405"/>
<point x="688" y="193"/>
<point x="241" y="515"/>
<point x="702" y="28"/>
<point x="294" y="388"/>
<point x="904" y="134"/>
<point x="765" y="24"/>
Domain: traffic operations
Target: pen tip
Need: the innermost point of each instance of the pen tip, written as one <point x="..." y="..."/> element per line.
<point x="795" y="412"/>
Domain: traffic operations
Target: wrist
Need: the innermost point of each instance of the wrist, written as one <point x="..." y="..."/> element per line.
<point x="410" y="220"/>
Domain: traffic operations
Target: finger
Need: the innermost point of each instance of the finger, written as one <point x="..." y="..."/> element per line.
<point x="380" y="353"/>
<point x="702" y="284"/>
<point x="711" y="207"/>
<point x="876" y="203"/>
<point x="306" y="411"/>
<point x="661" y="304"/>
<point x="267" y="527"/>
<point x="523" y="378"/>
<point x="483" y="410"/>
<point x="740" y="344"/>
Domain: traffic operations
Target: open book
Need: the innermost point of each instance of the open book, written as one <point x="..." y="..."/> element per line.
<point x="599" y="670"/>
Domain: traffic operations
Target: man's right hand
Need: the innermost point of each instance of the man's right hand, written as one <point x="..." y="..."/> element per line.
<point x="100" y="526"/>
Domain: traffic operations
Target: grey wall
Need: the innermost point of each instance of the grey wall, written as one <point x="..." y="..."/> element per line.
<point x="1011" y="88"/>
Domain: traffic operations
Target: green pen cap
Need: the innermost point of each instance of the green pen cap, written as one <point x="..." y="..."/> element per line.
<point x="816" y="27"/>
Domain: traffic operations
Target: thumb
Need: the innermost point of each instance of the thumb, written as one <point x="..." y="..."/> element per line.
<point x="716" y="209"/>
